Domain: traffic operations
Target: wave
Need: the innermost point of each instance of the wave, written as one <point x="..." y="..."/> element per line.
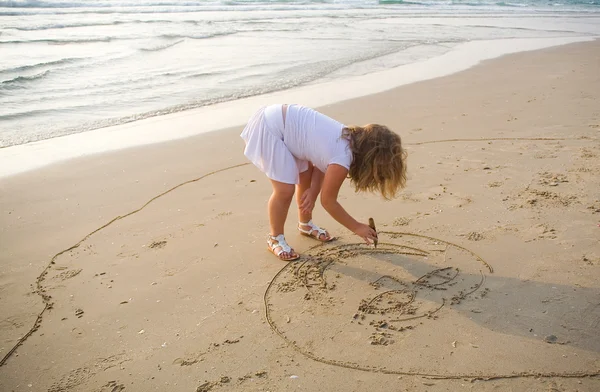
<point x="202" y="36"/>
<point x="110" y="39"/>
<point x="505" y="4"/>
<point x="21" y="79"/>
<point x="40" y="65"/>
<point x="57" y="26"/>
<point x="332" y="6"/>
<point x="52" y="111"/>
<point x="61" y="41"/>
<point x="507" y="28"/>
<point x="201" y="75"/>
<point x="64" y="26"/>
<point x="83" y="4"/>
<point x="161" y="47"/>
<point x="161" y="3"/>
<point x="402" y="2"/>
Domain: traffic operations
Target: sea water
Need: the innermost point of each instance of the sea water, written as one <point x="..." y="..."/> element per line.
<point x="72" y="66"/>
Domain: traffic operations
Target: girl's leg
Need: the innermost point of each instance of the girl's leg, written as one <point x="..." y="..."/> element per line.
<point x="305" y="180"/>
<point x="301" y="187"/>
<point x="279" y="205"/>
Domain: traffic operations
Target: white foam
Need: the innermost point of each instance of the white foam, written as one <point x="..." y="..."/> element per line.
<point x="25" y="157"/>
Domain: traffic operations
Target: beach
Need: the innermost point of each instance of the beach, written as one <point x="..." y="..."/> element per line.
<point x="146" y="268"/>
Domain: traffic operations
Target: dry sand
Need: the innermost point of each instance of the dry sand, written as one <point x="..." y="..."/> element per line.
<point x="493" y="286"/>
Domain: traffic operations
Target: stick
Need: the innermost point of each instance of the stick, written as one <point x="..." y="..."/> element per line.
<point x="372" y="225"/>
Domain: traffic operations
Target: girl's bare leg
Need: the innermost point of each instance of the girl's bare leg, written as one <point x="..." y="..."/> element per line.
<point x="279" y="205"/>
<point x="305" y="181"/>
<point x="301" y="187"/>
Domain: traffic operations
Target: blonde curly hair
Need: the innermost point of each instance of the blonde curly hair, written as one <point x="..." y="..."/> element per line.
<point x="379" y="161"/>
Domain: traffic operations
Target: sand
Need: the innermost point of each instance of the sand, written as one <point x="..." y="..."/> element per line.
<point x="147" y="269"/>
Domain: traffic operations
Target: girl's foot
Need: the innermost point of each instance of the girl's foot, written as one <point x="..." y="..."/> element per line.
<point x="311" y="230"/>
<point x="281" y="249"/>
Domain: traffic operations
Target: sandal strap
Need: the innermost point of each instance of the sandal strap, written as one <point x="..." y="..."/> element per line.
<point x="313" y="227"/>
<point x="281" y="243"/>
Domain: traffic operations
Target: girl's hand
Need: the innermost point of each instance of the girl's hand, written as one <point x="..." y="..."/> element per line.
<point x="307" y="201"/>
<point x="366" y="233"/>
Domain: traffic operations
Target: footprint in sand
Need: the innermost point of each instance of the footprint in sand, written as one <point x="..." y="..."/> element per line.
<point x="403" y="221"/>
<point x="540" y="232"/>
<point x="590" y="260"/>
<point x="68" y="274"/>
<point x="586" y="153"/>
<point x="544" y="155"/>
<point x="158" y="244"/>
<point x="112" y="386"/>
<point x="79" y="376"/>
<point x="224" y="214"/>
<point x="78" y="332"/>
<point x="475" y="236"/>
<point x="594" y="208"/>
<point x="128" y="254"/>
<point x="551" y="179"/>
<point x="542" y="198"/>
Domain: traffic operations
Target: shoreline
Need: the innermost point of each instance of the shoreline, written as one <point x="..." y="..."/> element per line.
<point x="30" y="156"/>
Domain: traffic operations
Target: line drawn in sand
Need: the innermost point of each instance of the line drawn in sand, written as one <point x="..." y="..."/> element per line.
<point x="341" y="303"/>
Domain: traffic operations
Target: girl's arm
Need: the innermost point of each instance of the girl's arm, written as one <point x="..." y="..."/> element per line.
<point x="332" y="182"/>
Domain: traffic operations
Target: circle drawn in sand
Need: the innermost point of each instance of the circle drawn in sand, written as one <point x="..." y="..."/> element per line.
<point x="372" y="309"/>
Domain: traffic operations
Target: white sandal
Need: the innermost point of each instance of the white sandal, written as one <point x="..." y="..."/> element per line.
<point x="281" y="243"/>
<point x="313" y="227"/>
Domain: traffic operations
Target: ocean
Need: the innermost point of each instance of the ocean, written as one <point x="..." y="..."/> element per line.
<point x="72" y="66"/>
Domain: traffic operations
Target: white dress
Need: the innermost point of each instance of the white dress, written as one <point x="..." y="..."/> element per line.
<point x="283" y="151"/>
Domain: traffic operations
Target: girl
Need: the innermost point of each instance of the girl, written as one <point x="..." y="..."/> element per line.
<point x="303" y="151"/>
